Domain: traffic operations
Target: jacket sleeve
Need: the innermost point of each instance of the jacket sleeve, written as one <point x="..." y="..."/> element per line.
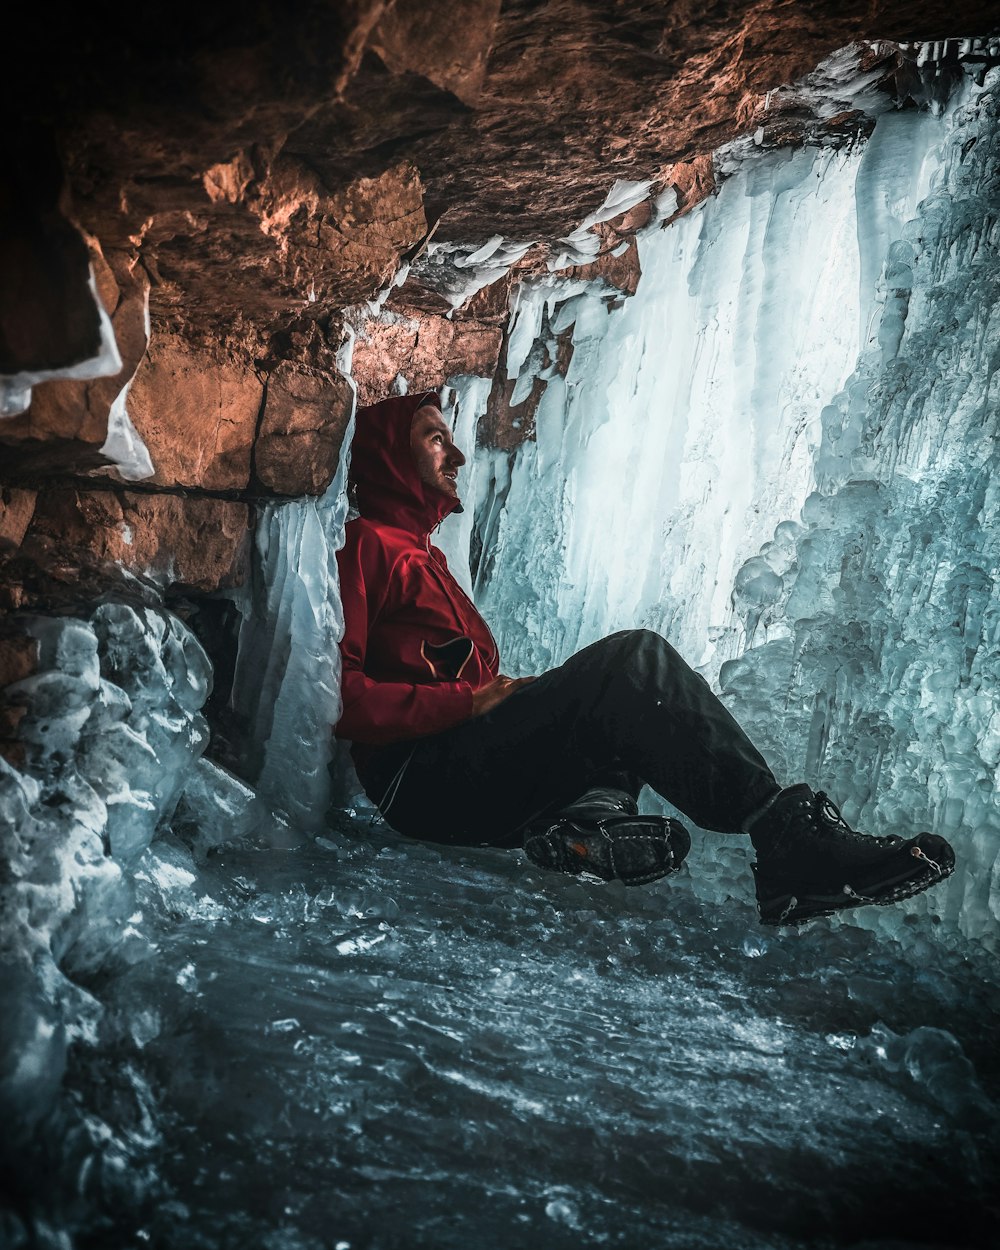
<point x="380" y="712"/>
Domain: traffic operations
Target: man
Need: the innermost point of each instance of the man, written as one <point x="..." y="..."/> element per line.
<point x="451" y="750"/>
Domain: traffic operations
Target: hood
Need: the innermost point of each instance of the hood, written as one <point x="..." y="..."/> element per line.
<point x="384" y="473"/>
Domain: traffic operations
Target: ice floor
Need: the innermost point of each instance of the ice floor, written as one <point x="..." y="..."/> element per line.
<point x="371" y="1042"/>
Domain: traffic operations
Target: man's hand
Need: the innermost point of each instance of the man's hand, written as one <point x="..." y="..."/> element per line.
<point x="487" y="697"/>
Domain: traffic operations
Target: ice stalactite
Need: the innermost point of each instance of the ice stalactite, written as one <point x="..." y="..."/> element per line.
<point x="459" y="272"/>
<point x="287" y="683"/>
<point x="717" y="464"/>
<point x="686" y="424"/>
<point x="124" y="445"/>
<point x="582" y="244"/>
<point x="463" y="404"/>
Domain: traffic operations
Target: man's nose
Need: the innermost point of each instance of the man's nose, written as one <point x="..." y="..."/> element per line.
<point x="455" y="456"/>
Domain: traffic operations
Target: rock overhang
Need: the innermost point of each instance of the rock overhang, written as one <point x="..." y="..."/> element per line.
<point x="246" y="183"/>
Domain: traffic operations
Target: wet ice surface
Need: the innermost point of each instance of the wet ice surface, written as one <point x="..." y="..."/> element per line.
<point x="376" y="1042"/>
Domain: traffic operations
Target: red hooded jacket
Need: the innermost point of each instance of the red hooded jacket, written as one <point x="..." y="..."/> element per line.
<point x="414" y="646"/>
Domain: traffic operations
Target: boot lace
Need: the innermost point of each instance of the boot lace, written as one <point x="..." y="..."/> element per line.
<point x="828" y="816"/>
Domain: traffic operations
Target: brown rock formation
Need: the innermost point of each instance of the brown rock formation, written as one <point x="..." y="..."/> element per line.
<point x="304" y="419"/>
<point x="174" y="541"/>
<point x="263" y="172"/>
<point x="267" y="169"/>
<point x="17" y="507"/>
<point x="196" y="411"/>
<point x="427" y="349"/>
<point x="67" y="422"/>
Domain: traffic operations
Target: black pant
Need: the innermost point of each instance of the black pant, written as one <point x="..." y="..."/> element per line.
<point x="623" y="711"/>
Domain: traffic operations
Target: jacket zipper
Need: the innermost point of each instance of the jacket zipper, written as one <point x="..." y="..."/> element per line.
<point x="439" y="573"/>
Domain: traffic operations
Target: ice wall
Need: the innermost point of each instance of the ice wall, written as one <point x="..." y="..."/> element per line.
<point x="882" y="630"/>
<point x="719" y="464"/>
<point x="688" y="421"/>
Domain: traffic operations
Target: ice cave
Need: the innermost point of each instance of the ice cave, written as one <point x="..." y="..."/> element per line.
<point x="711" y="302"/>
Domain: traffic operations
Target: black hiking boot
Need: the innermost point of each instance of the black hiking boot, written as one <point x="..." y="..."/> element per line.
<point x="602" y="834"/>
<point x="811" y="863"/>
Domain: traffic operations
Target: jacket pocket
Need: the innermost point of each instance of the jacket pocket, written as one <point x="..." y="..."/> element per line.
<point x="447" y="660"/>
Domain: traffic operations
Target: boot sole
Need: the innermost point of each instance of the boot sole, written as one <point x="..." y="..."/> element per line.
<point x="630" y="849"/>
<point x="796" y="907"/>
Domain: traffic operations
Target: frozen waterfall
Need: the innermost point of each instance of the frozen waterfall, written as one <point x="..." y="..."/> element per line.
<point x="287" y="682"/>
<point x="780" y="453"/>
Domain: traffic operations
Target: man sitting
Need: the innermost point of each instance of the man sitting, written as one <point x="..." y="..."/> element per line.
<point x="451" y="750"/>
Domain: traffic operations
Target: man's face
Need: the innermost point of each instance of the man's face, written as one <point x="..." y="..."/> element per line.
<point x="437" y="458"/>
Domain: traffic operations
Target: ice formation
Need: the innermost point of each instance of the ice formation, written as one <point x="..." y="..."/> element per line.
<point x="720" y="464"/>
<point x="111" y="728"/>
<point x="287" y="682"/>
<point x="880" y="637"/>
<point x="124" y="445"/>
<point x="581" y="245"/>
<point x="458" y="272"/>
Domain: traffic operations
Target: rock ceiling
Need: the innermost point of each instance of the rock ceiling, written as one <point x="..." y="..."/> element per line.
<point x="253" y="170"/>
<point x="268" y="163"/>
